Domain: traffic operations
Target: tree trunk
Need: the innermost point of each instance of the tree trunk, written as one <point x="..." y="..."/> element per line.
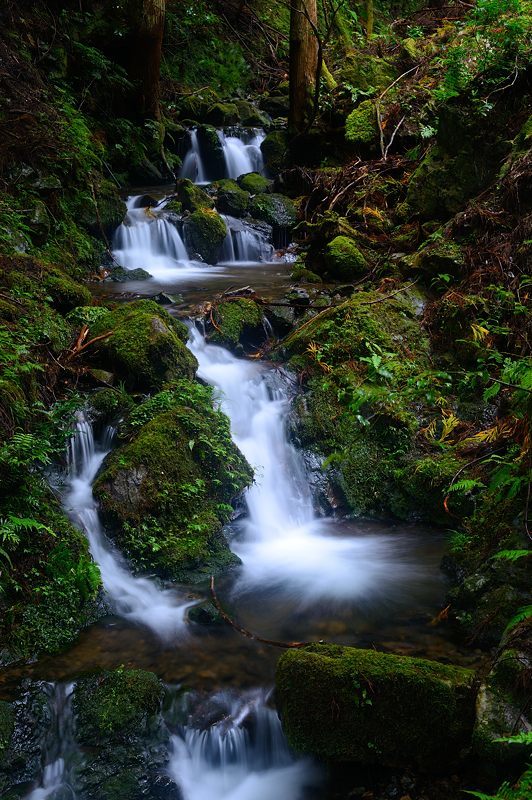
<point x="147" y="27"/>
<point x="303" y="63"/>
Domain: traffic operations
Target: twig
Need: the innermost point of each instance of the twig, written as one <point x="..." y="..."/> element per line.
<point x="244" y="631"/>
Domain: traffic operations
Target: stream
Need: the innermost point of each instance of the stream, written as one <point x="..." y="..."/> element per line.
<point x="303" y="576"/>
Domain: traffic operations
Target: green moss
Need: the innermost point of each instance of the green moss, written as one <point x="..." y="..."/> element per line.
<point x="250" y="115"/>
<point x="192" y="197"/>
<point x="206" y="232"/>
<point x="166" y="493"/>
<point x="275" y="151"/>
<point x="347" y="705"/>
<point x="230" y="198"/>
<point x="146" y="346"/>
<point x="423" y="484"/>
<point x="276" y="209"/>
<point x="254" y="183"/>
<point x="343" y="259"/>
<point x="303" y="275"/>
<point x="221" y="114"/>
<point x="236" y="321"/>
<point x="116" y="705"/>
<point x="361" y="125"/>
<point x="440" y="255"/>
<point x="66" y="294"/>
<point x="366" y="72"/>
<point x="108" y="403"/>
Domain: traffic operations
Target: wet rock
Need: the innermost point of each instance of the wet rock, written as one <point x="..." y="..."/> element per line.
<point x="165" y="299"/>
<point x="205" y="614"/>
<point x="343" y="259"/>
<point x="211" y="150"/>
<point x="341" y="704"/>
<point x="205" y="232"/>
<point x="275" y="151"/>
<point x="192" y="197"/>
<point x="254" y="183"/>
<point x="231" y="198"/>
<point x="122" y="275"/>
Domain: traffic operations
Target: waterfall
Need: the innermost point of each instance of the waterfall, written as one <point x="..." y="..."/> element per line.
<point x="242" y="154"/>
<point x="148" y="241"/>
<point x="243" y="756"/>
<point x="58" y="746"/>
<point x="136" y="598"/>
<point x="244" y="244"/>
<point x="284" y="546"/>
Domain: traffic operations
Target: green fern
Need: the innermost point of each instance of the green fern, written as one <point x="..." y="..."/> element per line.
<point x="511" y="555"/>
<point x="525" y="612"/>
<point x="466" y="485"/>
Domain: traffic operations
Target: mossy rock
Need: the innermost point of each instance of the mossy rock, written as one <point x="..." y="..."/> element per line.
<point x="359" y="706"/>
<point x="365" y="71"/>
<point x="275" y="151"/>
<point x="205" y="233"/>
<point x="212" y="152"/>
<point x="276" y="209"/>
<point x="361" y="126"/>
<point x="221" y="114"/>
<point x="254" y="183"/>
<point x="145" y="345"/>
<point x="303" y="275"/>
<point x="231" y="198"/>
<point x="343" y="259"/>
<point x="423" y="484"/>
<point x="250" y="115"/>
<point x="66" y="294"/>
<point x="192" y="197"/>
<point x="440" y="256"/>
<point x="116" y="705"/>
<point x="276" y="105"/>
<point x="123" y="275"/>
<point x="240" y="322"/>
<point x="499" y="715"/>
<point x="166" y="493"/>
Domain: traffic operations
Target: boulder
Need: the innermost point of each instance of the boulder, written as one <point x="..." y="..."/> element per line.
<point x="231" y="198"/>
<point x="276" y="209"/>
<point x="145" y="346"/>
<point x="361" y="126"/>
<point x="275" y="151"/>
<point x="192" y="197"/>
<point x="205" y="232"/>
<point x="254" y="183"/>
<point x="343" y="260"/>
<point x="212" y="152"/>
<point x="342" y="705"/>
<point x="221" y="114"/>
<point x="239" y="322"/>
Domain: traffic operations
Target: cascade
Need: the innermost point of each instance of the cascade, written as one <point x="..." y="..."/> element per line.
<point x="242" y="756"/>
<point x="58" y="746"/>
<point x="284" y="545"/>
<point x="244" y="244"/>
<point x="148" y="241"/>
<point x="242" y="154"/>
<point x="138" y="599"/>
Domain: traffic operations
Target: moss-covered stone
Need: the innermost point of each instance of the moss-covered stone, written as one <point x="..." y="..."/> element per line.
<point x="206" y="231"/>
<point x="230" y="198"/>
<point x="192" y="197"/>
<point x="66" y="294"/>
<point x="116" y="705"/>
<point x="423" y="484"/>
<point x="276" y="209"/>
<point x="166" y="493"/>
<point x="145" y="345"/>
<point x="343" y="260"/>
<point x="361" y="125"/>
<point x="254" y="183"/>
<point x="303" y="275"/>
<point x="359" y="706"/>
<point x="103" y="211"/>
<point x="250" y="115"/>
<point x="240" y="322"/>
<point x="221" y="114"/>
<point x="275" y="151"/>
<point x="440" y="255"/>
<point x="366" y="71"/>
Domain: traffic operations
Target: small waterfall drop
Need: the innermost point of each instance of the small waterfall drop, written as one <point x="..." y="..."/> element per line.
<point x="136" y="598"/>
<point x="148" y="241"/>
<point x="284" y="546"/>
<point x="58" y="747"/>
<point x="243" y="244"/>
<point x="243" y="756"/>
<point x="242" y="154"/>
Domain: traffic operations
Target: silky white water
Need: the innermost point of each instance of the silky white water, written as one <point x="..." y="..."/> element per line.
<point x="244" y="756"/>
<point x="243" y="244"/>
<point x="137" y="599"/>
<point x="242" y="154"/>
<point x="284" y="546"/>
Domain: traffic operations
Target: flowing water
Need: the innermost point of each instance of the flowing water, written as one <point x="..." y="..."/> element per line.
<point x="242" y="154"/>
<point x="137" y="599"/>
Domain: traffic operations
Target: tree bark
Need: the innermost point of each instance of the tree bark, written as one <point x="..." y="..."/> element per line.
<point x="147" y="27"/>
<point x="303" y="63"/>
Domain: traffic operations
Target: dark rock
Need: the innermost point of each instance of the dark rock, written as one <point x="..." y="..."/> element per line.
<point x="122" y="275"/>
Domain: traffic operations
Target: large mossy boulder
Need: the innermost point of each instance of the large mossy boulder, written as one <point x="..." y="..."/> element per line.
<point x="106" y="211"/>
<point x="275" y="151"/>
<point x="212" y="152"/>
<point x="205" y="232"/>
<point x="231" y="198"/>
<point x="143" y="345"/>
<point x="366" y="72"/>
<point x="275" y="209"/>
<point x="363" y="707"/>
<point x="440" y="255"/>
<point x="166" y="493"/>
<point x="361" y="126"/>
<point x="250" y="115"/>
<point x="343" y="259"/>
<point x="192" y="197"/>
<point x="221" y="114"/>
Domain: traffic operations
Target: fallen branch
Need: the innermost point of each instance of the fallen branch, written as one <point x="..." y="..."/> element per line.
<point x="244" y="631"/>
